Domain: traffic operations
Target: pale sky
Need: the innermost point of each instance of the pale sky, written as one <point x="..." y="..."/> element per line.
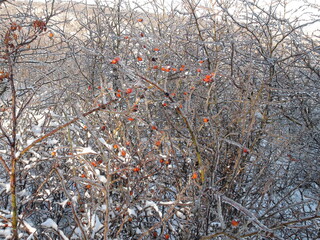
<point x="294" y="7"/>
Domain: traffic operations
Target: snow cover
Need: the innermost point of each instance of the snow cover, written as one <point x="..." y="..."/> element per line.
<point x="30" y="229"/>
<point x="63" y="203"/>
<point x="37" y="155"/>
<point x="132" y="212"/>
<point x="167" y="203"/>
<point x="95" y="224"/>
<point x="5" y="233"/>
<point x="49" y="223"/>
<point x="105" y="143"/>
<point x="52" y="141"/>
<point x="102" y="179"/>
<point x="154" y="206"/>
<point x="23" y="193"/>
<point x="29" y="141"/>
<point x="180" y="215"/>
<point x="4" y="185"/>
<point x="64" y="237"/>
<point x="36" y="130"/>
<point x="77" y="234"/>
<point x="85" y="150"/>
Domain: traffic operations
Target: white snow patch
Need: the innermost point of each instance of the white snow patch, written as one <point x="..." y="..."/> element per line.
<point x="36" y="130"/>
<point x="154" y="206"/>
<point x="52" y="141"/>
<point x="180" y="215"/>
<point x="96" y="224"/>
<point x="64" y="237"/>
<point x="37" y="155"/>
<point x="49" y="223"/>
<point x="77" y="234"/>
<point x="6" y="186"/>
<point x="5" y="233"/>
<point x="105" y="143"/>
<point x="31" y="229"/>
<point x="23" y="193"/>
<point x="87" y="195"/>
<point x="215" y="224"/>
<point x="74" y="198"/>
<point x="103" y="207"/>
<point x="30" y="141"/>
<point x="63" y="203"/>
<point x="86" y="150"/>
<point x="102" y="179"/>
<point x="54" y="124"/>
<point x="132" y="212"/>
<point x="167" y="203"/>
<point x="30" y="237"/>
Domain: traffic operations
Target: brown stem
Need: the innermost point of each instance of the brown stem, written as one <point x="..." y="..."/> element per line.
<point x="25" y="150"/>
<point x="5" y="165"/>
<point x="14" y="218"/>
<point x="193" y="136"/>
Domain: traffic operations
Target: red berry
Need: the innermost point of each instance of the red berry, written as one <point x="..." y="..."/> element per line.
<point x="136" y="169"/>
<point x="194" y="176"/>
<point x="129" y="90"/>
<point x="234" y="223"/>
